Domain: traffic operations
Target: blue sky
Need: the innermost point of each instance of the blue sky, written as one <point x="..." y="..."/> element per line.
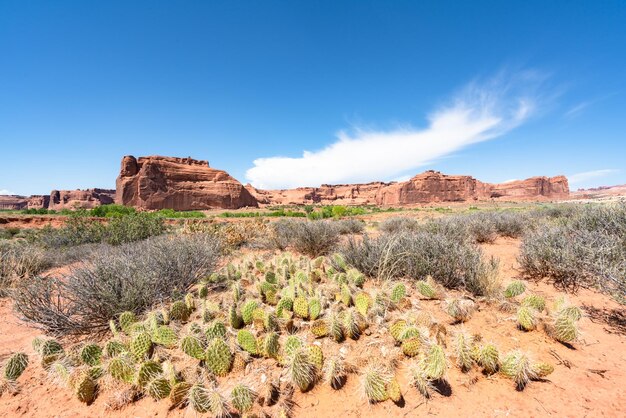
<point x="371" y="90"/>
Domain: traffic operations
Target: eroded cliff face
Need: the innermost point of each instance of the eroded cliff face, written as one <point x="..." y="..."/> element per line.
<point x="80" y="199"/>
<point x="178" y="183"/>
<point x="428" y="187"/>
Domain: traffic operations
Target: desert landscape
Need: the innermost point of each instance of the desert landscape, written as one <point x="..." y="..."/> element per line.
<point x="275" y="209"/>
<point x="194" y="294"/>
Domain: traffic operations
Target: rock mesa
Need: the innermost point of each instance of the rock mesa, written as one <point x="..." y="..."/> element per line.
<point x="178" y="183"/>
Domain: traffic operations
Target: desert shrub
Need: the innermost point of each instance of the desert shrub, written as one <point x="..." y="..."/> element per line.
<point x="133" y="227"/>
<point x="133" y="278"/>
<point x="78" y="229"/>
<point x="336" y="211"/>
<point x="481" y="227"/>
<point x="350" y="226"/>
<point x="511" y="224"/>
<point x="281" y="234"/>
<point x="109" y="211"/>
<point x="453" y="263"/>
<point x="315" y="238"/>
<point x="453" y="227"/>
<point x="586" y="249"/>
<point x="237" y="234"/>
<point x="171" y="213"/>
<point x="398" y="224"/>
<point x="18" y="260"/>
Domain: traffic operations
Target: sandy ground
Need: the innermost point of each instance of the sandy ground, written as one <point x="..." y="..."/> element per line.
<point x="589" y="378"/>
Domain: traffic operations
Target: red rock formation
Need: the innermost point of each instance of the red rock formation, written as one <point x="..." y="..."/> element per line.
<point x="534" y="187"/>
<point x="428" y="187"/>
<point x="178" y="183"/>
<point x="13" y="202"/>
<point x="80" y="199"/>
<point x="38" y="202"/>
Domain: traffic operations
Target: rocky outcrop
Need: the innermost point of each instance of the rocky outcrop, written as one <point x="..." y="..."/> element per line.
<point x="532" y="188"/>
<point x="340" y="194"/>
<point x="178" y="183"/>
<point x="428" y="187"/>
<point x="38" y="202"/>
<point x="80" y="199"/>
<point x="15" y="202"/>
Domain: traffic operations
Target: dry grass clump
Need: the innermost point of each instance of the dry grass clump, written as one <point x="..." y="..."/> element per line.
<point x="19" y="260"/>
<point x="128" y="278"/>
<point x="586" y="248"/>
<point x="451" y="263"/>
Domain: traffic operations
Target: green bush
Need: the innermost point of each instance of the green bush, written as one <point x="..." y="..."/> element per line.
<point x="135" y="227"/>
<point x="109" y="211"/>
<point x="171" y="213"/>
<point x="80" y="229"/>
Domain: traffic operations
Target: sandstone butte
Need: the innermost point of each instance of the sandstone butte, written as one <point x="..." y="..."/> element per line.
<point x="155" y="182"/>
<point x="178" y="183"/>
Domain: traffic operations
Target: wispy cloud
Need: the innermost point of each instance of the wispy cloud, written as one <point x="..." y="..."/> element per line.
<point x="580" y="178"/>
<point x="5" y="192"/>
<point x="479" y="112"/>
<point x="576" y="110"/>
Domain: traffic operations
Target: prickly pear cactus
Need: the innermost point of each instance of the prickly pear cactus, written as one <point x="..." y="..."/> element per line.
<point x="301" y="371"/>
<point x="84" y="388"/>
<point x="121" y="368"/>
<point x="542" y="370"/>
<point x="179" y="393"/>
<point x="218" y="357"/>
<point x="247" y="311"/>
<point x="362" y="302"/>
<point x="140" y="345"/>
<point x="179" y="311"/>
<point x="15" y="366"/>
<point x="315" y="308"/>
<point x="396" y="329"/>
<point x="126" y="319"/>
<point x="516" y="366"/>
<point x="301" y="307"/>
<point x="436" y="362"/>
<point x="91" y="354"/>
<point x="526" y="318"/>
<point x="247" y="341"/>
<point x="165" y="336"/>
<point x="147" y="371"/>
<point x="426" y="289"/>
<point x="398" y="292"/>
<point x="515" y="288"/>
<point x="488" y="358"/>
<point x="319" y="328"/>
<point x="374" y="382"/>
<point x="242" y="398"/>
<point x="159" y="388"/>
<point x="192" y="346"/>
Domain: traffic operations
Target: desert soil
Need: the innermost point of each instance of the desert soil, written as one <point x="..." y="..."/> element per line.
<point x="589" y="378"/>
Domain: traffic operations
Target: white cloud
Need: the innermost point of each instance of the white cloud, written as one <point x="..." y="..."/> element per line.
<point x="479" y="112"/>
<point x="579" y="178"/>
<point x="5" y="192"/>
